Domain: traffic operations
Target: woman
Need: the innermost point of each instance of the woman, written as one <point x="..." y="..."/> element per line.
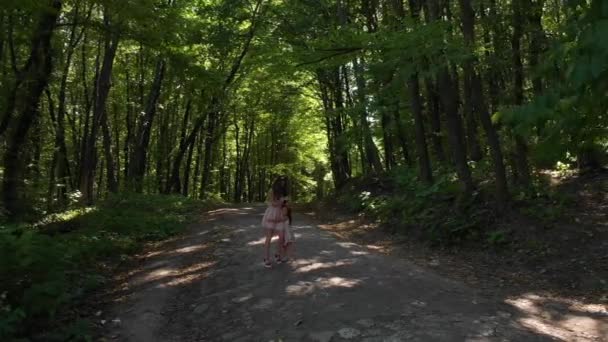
<point x="275" y="220"/>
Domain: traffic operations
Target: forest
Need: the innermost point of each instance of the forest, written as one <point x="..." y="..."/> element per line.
<point x="389" y="106"/>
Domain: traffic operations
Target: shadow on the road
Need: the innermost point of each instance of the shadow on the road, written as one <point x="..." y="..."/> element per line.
<point x="334" y="283"/>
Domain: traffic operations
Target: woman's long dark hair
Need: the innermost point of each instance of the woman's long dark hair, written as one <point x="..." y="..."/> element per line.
<point x="279" y="187"/>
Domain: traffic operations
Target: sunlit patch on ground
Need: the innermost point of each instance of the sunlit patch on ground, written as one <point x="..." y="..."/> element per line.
<point x="218" y="213"/>
<point x="563" y="319"/>
<point x="190" y="274"/>
<point x="191" y="249"/>
<point x="261" y="241"/>
<point x="302" y="262"/>
<point x="376" y="248"/>
<point x="347" y="244"/>
<point x="175" y="276"/>
<point x="324" y="265"/>
<point x="183" y="250"/>
<point x="257" y="242"/>
<point x="303" y="288"/>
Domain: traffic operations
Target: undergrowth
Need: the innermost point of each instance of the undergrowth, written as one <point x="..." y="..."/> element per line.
<point x="435" y="213"/>
<point x="48" y="268"/>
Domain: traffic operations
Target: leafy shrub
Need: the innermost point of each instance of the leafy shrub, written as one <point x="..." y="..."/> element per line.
<point x="406" y="204"/>
<point x="50" y="266"/>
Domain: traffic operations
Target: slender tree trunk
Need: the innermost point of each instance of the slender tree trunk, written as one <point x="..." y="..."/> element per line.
<point x="372" y="157"/>
<point x="35" y="77"/>
<point x="209" y="140"/>
<point x="537" y="34"/>
<point x="454" y="125"/>
<point x="89" y="163"/>
<point x="237" y="166"/>
<point x="425" y="172"/>
<point x="328" y="107"/>
<point x="139" y="155"/>
<point x="469" y="115"/>
<point x="435" y="120"/>
<point x="109" y="155"/>
<point x="116" y="147"/>
<point x="174" y="184"/>
<point x="478" y="105"/>
<point x="7" y="113"/>
<point x="2" y="38"/>
<point x="223" y="169"/>
<point x="129" y="123"/>
<point x="197" y="166"/>
<point x="52" y="181"/>
<point x="339" y="128"/>
<point x="521" y="147"/>
<point x="536" y="40"/>
<point x="402" y="137"/>
<point x="61" y="166"/>
<point x="424" y="162"/>
<point x="186" y="187"/>
<point x="387" y="139"/>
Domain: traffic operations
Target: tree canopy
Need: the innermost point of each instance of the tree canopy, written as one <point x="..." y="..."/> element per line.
<point x="215" y="98"/>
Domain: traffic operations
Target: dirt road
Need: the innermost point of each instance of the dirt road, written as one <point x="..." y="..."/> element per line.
<point x="210" y="285"/>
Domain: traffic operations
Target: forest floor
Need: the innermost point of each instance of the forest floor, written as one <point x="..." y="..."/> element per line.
<point x="210" y="285"/>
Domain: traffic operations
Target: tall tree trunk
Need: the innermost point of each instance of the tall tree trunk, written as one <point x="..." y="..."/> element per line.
<point x="109" y="155"/>
<point x="402" y="136"/>
<point x="197" y="166"/>
<point x="387" y="139"/>
<point x="116" y="147"/>
<point x="139" y="160"/>
<point x="34" y="76"/>
<point x="2" y="38"/>
<point x="52" y="182"/>
<point x="537" y="34"/>
<point x="521" y="147"/>
<point x="424" y="162"/>
<point x="89" y="97"/>
<point x="242" y="160"/>
<point x="489" y="39"/>
<point x="473" y="145"/>
<point x="102" y="89"/>
<point x="188" y="167"/>
<point x="325" y="86"/>
<point x="435" y="119"/>
<point x="60" y="173"/>
<point x="372" y="157"/>
<point x="536" y="41"/>
<point x="425" y="172"/>
<point x="454" y="125"/>
<point x="174" y="184"/>
<point x="129" y="123"/>
<point x="237" y="167"/>
<point x="338" y="124"/>
<point x="214" y="109"/>
<point x="209" y="140"/>
<point x="223" y="169"/>
<point x="479" y="106"/>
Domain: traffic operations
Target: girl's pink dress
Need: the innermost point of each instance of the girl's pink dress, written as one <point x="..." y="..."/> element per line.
<point x="273" y="217"/>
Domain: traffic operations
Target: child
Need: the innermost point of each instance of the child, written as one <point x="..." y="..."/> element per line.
<point x="288" y="235"/>
<point x="274" y="220"/>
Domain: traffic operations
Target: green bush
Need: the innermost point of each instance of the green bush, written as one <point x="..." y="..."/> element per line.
<point x="429" y="211"/>
<point x="50" y="266"/>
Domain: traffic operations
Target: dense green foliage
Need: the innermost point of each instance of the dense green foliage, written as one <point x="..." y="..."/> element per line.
<point x="458" y="106"/>
<point x="47" y="268"/>
<point x="214" y="98"/>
